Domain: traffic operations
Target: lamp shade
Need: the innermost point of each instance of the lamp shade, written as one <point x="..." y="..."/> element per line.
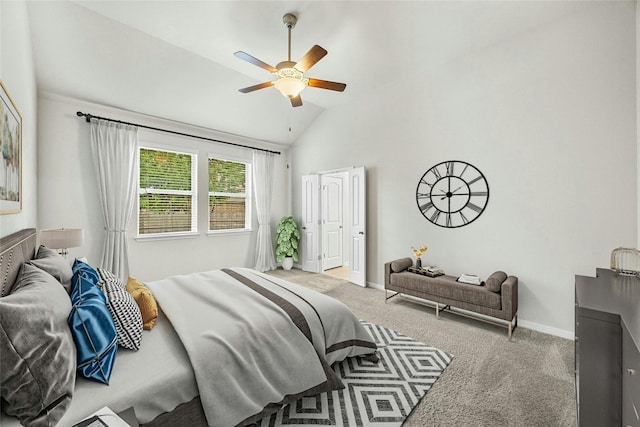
<point x="62" y="238"/>
<point x="289" y="86"/>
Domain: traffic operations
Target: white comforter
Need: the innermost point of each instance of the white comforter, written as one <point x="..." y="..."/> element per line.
<point x="256" y="341"/>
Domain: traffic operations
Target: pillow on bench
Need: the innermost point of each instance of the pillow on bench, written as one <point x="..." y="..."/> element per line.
<point x="401" y="264"/>
<point x="494" y="282"/>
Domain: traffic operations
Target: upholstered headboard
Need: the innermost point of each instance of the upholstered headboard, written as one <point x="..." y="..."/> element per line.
<point x="15" y="249"/>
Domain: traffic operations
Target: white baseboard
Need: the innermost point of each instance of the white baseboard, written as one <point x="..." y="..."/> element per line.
<point x="375" y="286"/>
<point x="562" y="333"/>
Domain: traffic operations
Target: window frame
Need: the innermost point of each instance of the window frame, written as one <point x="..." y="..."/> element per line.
<point x="193" y="193"/>
<point x="247" y="195"/>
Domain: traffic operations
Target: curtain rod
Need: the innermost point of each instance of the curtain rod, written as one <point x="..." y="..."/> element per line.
<point x="89" y="116"/>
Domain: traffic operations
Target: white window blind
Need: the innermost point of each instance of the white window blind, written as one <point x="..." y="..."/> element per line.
<point x="167" y="192"/>
<point x="229" y="195"/>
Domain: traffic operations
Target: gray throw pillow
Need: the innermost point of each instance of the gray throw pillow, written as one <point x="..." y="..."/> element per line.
<point x="494" y="282"/>
<point x="401" y="264"/>
<point x="38" y="363"/>
<point x="55" y="264"/>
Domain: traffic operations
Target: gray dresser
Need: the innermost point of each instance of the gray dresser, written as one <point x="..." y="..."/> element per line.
<point x="607" y="315"/>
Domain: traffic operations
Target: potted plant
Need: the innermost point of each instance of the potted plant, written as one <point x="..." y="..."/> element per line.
<point x="287" y="239"/>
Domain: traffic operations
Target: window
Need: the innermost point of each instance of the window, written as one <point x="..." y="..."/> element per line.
<point x="229" y="195"/>
<point x="167" y="192"/>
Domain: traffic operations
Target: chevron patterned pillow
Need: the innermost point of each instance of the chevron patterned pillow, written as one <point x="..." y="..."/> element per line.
<point x="124" y="310"/>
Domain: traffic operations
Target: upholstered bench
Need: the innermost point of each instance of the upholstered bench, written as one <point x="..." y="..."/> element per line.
<point x="497" y="297"/>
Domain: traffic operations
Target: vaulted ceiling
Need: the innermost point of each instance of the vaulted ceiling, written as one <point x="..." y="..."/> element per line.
<point x="174" y="59"/>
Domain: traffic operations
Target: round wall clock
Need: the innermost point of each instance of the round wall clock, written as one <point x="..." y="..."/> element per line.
<point x="452" y="194"/>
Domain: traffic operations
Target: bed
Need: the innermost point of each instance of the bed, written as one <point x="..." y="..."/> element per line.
<point x="229" y="346"/>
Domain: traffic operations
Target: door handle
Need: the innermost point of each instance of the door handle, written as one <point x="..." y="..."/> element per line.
<point x="304" y="228"/>
<point x="362" y="232"/>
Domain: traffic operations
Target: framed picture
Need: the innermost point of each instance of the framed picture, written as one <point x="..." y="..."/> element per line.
<point x="11" y="150"/>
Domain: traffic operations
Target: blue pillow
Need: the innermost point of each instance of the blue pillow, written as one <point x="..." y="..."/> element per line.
<point x="91" y="324"/>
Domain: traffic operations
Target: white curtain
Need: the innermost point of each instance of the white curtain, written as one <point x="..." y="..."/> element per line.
<point x="115" y="157"/>
<point x="263" y="171"/>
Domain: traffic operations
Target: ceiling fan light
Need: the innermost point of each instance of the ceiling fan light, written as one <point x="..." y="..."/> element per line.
<point x="290" y="87"/>
<point x="290" y="81"/>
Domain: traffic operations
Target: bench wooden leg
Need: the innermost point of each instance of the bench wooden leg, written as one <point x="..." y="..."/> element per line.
<point x="437" y="311"/>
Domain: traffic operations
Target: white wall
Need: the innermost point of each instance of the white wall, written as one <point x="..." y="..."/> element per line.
<point x="17" y="74"/>
<point x="549" y="117"/>
<point x="68" y="189"/>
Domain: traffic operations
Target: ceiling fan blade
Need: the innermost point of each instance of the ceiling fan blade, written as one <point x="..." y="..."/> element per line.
<point x="324" y="84"/>
<point x="315" y="54"/>
<point x="296" y="101"/>
<point x="255" y="61"/>
<point x="256" y="87"/>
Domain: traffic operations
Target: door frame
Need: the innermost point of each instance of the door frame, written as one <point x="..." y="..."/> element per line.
<point x="313" y="244"/>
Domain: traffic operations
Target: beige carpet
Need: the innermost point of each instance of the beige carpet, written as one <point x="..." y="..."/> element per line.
<point x="491" y="382"/>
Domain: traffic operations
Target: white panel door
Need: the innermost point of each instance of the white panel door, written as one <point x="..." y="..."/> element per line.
<point x="357" y="221"/>
<point x="309" y="224"/>
<point x="332" y="218"/>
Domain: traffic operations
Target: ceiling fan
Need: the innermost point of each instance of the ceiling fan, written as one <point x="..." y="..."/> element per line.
<point x="290" y="79"/>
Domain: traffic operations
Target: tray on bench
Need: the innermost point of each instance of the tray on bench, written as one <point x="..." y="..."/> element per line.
<point x="424" y="272"/>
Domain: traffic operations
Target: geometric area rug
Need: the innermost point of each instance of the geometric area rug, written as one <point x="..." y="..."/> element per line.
<point x="375" y="394"/>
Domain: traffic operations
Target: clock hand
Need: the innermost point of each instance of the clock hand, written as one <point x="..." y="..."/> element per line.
<point x="449" y="194"/>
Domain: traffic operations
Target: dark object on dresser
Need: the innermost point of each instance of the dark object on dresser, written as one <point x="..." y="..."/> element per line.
<point x="607" y="315"/>
<point x="498" y="297"/>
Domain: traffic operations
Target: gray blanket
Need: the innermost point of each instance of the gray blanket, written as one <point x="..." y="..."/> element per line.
<point x="256" y="342"/>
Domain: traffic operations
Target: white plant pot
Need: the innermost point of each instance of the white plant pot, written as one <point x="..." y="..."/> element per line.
<point x="287" y="263"/>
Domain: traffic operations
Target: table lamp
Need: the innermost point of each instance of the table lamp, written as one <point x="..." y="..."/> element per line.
<point x="62" y="238"/>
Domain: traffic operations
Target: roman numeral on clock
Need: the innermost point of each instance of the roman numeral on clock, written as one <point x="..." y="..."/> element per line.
<point x="450" y="168"/>
<point x="423" y="181"/>
<point x="436" y="172"/>
<point x="474" y="207"/>
<point x="424" y="208"/>
<point x="478" y="178"/>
